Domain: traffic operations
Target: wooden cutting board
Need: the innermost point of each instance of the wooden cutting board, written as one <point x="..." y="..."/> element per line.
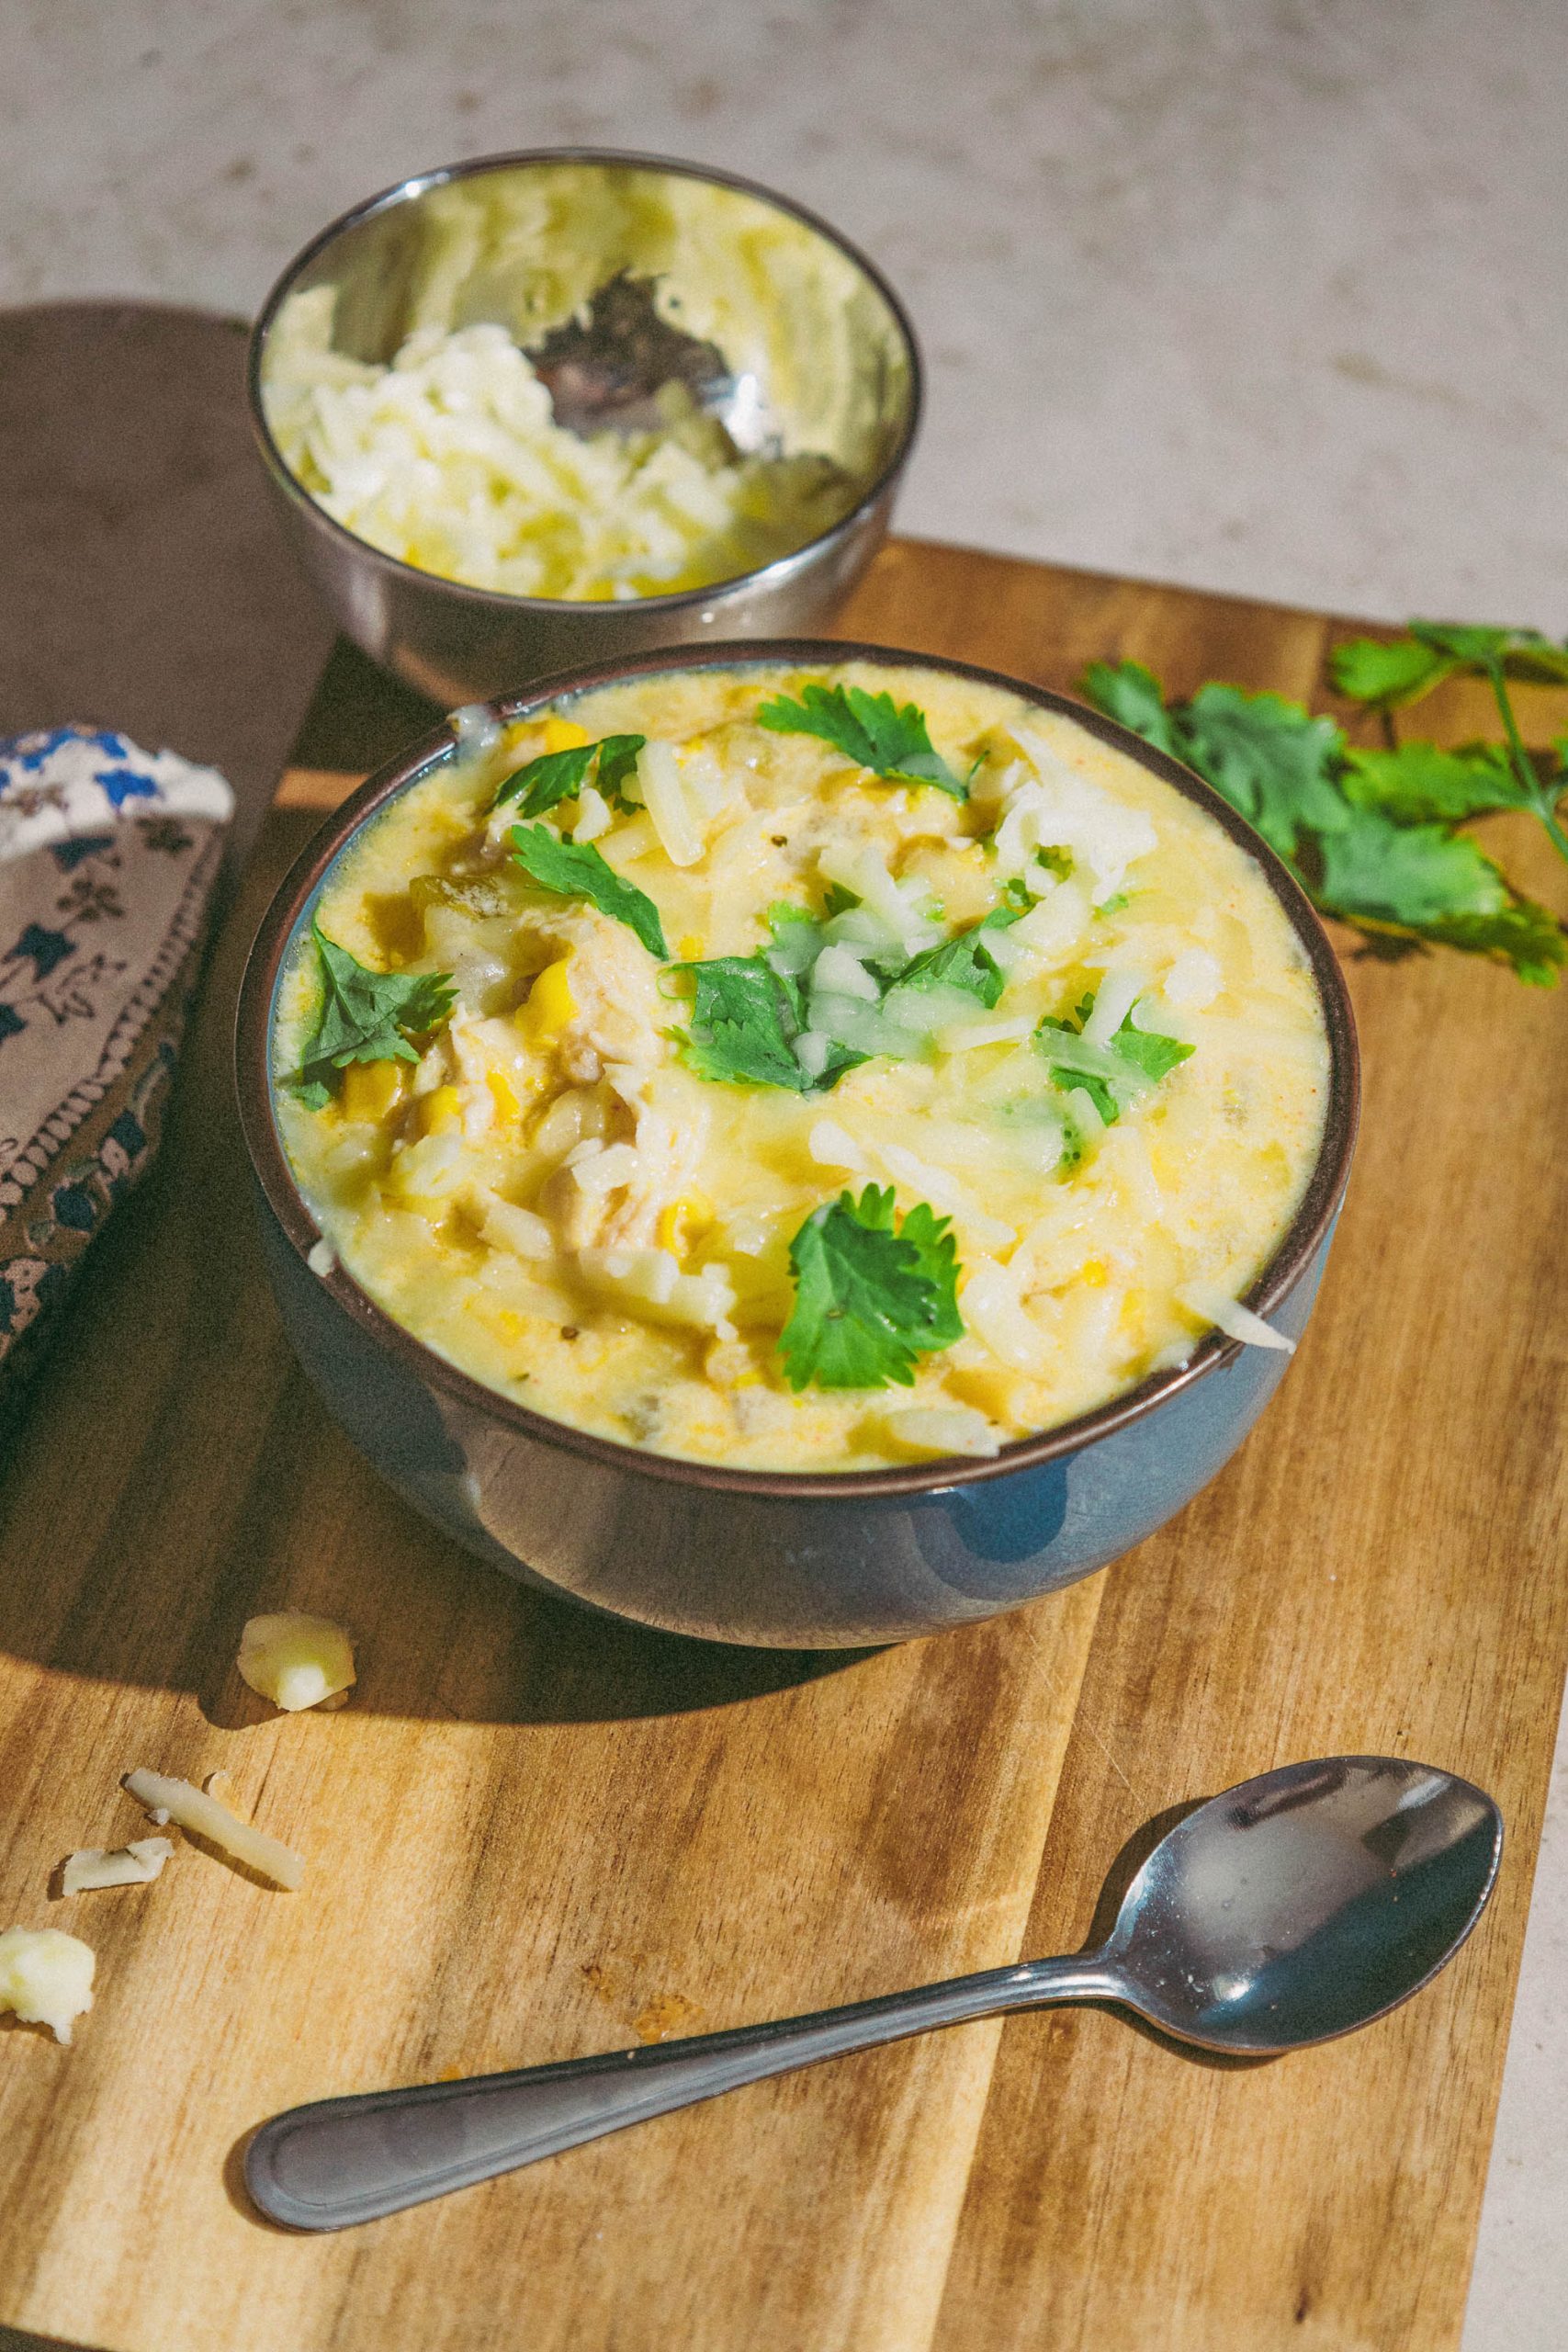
<point x="534" y="1834"/>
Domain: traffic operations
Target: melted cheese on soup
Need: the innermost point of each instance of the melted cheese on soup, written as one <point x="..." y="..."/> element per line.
<point x="1040" y="1020"/>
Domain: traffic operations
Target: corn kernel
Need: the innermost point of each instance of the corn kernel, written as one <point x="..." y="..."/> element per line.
<point x="690" y="948"/>
<point x="372" y="1089"/>
<point x="565" y="735"/>
<point x="550" y="1004"/>
<point x="996" y="1393"/>
<point x="503" y="1094"/>
<point x="441" y="1111"/>
<point x="1094" y="1273"/>
<point x="680" y="1221"/>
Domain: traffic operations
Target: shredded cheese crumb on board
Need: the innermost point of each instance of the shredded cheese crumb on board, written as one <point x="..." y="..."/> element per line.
<point x="136" y="1864"/>
<point x="45" y="1977"/>
<point x="168" y="1799"/>
<point x="294" y="1660"/>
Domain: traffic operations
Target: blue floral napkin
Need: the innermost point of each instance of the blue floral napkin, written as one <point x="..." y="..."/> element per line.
<point x="107" y="858"/>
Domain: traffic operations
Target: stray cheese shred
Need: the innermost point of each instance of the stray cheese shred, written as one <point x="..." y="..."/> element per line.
<point x="136" y="1864"/>
<point x="168" y="1799"/>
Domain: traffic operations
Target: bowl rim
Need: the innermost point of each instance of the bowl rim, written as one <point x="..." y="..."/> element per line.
<point x="500" y="600"/>
<point x="294" y="898"/>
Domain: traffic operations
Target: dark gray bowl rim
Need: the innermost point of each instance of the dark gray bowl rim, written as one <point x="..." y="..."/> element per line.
<point x="294" y="895"/>
<point x="498" y="600"/>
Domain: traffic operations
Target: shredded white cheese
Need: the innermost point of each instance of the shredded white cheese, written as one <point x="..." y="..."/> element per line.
<point x="1212" y="1305"/>
<point x="176" y="1799"/>
<point x="136" y="1864"/>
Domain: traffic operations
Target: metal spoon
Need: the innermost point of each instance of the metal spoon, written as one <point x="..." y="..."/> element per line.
<point x="1294" y="1908"/>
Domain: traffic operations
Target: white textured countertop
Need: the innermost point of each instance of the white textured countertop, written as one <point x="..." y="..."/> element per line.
<point x="1258" y="295"/>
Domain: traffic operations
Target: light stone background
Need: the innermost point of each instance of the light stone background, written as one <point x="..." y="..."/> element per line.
<point x="1258" y="295"/>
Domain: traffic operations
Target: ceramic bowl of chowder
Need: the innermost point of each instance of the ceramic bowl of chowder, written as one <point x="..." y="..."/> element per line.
<point x="804" y="1145"/>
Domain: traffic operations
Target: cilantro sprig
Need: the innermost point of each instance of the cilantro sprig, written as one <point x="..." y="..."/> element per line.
<point x="871" y="730"/>
<point x="1388" y="677"/>
<point x="577" y="870"/>
<point x="365" y="1016"/>
<point x="1371" y="835"/>
<point x="873" y="1295"/>
<point x="541" y="785"/>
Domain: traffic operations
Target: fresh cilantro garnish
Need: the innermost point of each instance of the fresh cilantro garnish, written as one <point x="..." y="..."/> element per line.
<point x="1269" y="759"/>
<point x="871" y="1295"/>
<point x="365" y="1016"/>
<point x="870" y="729"/>
<point x="965" y="962"/>
<point x="1370" y="833"/>
<point x="1126" y="691"/>
<point x="746" y="1015"/>
<point x="554" y="776"/>
<point x="837" y="901"/>
<point x="1144" y="1056"/>
<point x="576" y="870"/>
<point x="1387" y="677"/>
<point x="1418" y="784"/>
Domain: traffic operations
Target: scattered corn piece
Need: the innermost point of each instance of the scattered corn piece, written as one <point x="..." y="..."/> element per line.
<point x="441" y="1111"/>
<point x="502" y="1093"/>
<point x="136" y="1864"/>
<point x="45" y="1977"/>
<point x="550" y="1003"/>
<point x="178" y="1801"/>
<point x="370" y="1089"/>
<point x="565" y="735"/>
<point x="295" y="1660"/>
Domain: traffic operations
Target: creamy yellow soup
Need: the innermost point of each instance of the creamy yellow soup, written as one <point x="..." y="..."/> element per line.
<point x="773" y="1111"/>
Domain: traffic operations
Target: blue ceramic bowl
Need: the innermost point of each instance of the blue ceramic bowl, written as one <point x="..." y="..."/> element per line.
<point x="774" y="1558"/>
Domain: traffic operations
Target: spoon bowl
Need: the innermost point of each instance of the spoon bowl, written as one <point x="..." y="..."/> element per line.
<point x="1305" y="1903"/>
<point x="1289" y="1910"/>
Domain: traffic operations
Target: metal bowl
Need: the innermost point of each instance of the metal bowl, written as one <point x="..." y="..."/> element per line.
<point x="782" y="1558"/>
<point x="827" y="363"/>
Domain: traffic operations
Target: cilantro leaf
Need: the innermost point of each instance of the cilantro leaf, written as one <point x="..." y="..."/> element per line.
<point x="1126" y="691"/>
<point x="965" y="962"/>
<point x="870" y="729"/>
<point x="1386" y="675"/>
<point x="365" y="1016"/>
<point x="1144" y="1055"/>
<point x="618" y="759"/>
<point x="540" y="784"/>
<point x="1418" y="784"/>
<point x="1522" y="933"/>
<point x="1269" y="759"/>
<point x="1422" y="882"/>
<point x="746" y="1015"/>
<point x="1407" y="874"/>
<point x="1517" y="652"/>
<point x="871" y="1296"/>
<point x="576" y="870"/>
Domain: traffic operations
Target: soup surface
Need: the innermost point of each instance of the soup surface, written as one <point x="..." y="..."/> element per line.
<point x="801" y="1070"/>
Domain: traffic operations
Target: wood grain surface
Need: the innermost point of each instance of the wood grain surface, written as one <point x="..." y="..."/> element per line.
<point x="533" y="1834"/>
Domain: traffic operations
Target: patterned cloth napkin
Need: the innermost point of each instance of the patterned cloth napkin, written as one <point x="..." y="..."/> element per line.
<point x="107" y="858"/>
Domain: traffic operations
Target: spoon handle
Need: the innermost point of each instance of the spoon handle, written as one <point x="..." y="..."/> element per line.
<point x="346" y="2160"/>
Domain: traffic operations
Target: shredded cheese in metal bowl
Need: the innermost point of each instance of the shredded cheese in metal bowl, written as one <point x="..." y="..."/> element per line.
<point x="450" y="458"/>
